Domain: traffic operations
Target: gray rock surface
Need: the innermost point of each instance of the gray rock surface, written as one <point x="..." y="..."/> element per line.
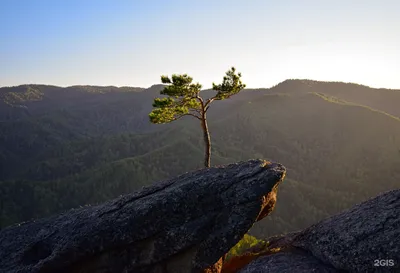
<point x="288" y="262"/>
<point x="365" y="238"/>
<point x="185" y="224"/>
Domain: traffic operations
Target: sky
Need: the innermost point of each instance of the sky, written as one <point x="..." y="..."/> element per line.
<point x="133" y="43"/>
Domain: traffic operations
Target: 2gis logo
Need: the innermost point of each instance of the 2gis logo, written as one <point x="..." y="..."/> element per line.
<point x="384" y="262"/>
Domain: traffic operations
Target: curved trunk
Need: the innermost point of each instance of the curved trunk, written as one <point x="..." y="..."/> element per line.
<point x="207" y="141"/>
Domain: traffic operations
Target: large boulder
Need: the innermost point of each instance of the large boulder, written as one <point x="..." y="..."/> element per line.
<point x="185" y="224"/>
<point x="365" y="238"/>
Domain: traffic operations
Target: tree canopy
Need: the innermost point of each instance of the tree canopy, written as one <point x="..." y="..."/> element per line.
<point x="184" y="96"/>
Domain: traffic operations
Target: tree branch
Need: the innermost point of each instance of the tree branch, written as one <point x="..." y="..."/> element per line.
<point x="200" y="99"/>
<point x="195" y="110"/>
<point x="209" y="101"/>
<point x="187" y="114"/>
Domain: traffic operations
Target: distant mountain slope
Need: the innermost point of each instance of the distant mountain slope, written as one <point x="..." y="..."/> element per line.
<point x="63" y="117"/>
<point x="386" y="100"/>
<point x="338" y="151"/>
<point x="32" y="100"/>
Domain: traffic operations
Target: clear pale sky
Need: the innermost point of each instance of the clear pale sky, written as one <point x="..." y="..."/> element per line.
<point x="132" y="43"/>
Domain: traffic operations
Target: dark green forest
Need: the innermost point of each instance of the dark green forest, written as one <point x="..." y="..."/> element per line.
<point x="62" y="148"/>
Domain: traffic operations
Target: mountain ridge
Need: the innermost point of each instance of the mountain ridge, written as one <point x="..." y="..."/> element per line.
<point x="296" y="80"/>
<point x="88" y="94"/>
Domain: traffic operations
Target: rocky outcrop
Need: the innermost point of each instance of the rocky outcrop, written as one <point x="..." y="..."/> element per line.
<point x="185" y="224"/>
<point x="288" y="262"/>
<point x="365" y="238"/>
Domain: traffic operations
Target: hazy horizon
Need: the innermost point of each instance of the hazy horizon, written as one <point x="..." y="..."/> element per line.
<point x="132" y="43"/>
<point x="203" y="89"/>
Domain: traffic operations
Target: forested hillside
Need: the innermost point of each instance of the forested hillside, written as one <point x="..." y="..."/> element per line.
<point x="67" y="147"/>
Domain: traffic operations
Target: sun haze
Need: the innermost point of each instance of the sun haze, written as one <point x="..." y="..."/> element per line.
<point x="132" y="43"/>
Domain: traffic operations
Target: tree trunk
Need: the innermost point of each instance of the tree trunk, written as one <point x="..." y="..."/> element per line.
<point x="207" y="141"/>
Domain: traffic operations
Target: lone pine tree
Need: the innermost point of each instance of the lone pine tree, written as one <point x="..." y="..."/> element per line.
<point x="184" y="100"/>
